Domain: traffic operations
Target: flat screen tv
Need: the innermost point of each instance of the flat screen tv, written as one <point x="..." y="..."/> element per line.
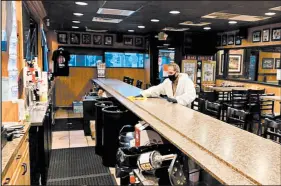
<point x="124" y="60"/>
<point x="84" y="60"/>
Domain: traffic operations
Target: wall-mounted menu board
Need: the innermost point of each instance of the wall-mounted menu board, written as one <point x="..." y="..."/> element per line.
<point x="84" y="60"/>
<point x="124" y="60"/>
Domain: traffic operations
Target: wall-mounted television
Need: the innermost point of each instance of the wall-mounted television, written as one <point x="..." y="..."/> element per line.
<point x="84" y="60"/>
<point x="124" y="60"/>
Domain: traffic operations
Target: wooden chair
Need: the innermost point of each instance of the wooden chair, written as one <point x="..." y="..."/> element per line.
<point x="213" y="109"/>
<point x="126" y="79"/>
<point x="139" y="84"/>
<point x="239" y="99"/>
<point x="195" y="104"/>
<point x="201" y="105"/>
<point x="131" y="81"/>
<point x="272" y="129"/>
<point x="223" y="97"/>
<point x="238" y="118"/>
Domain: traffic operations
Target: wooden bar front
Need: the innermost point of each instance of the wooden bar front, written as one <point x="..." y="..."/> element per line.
<point x="233" y="156"/>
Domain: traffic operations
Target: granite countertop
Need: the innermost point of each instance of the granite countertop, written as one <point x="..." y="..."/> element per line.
<point x="37" y="114"/>
<point x="231" y="155"/>
<point x="10" y="150"/>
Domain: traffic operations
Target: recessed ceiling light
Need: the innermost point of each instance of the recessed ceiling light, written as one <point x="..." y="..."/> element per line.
<point x="270" y="13"/>
<point x="130" y="30"/>
<point x="81" y="3"/>
<point x="156" y="36"/>
<point x="166" y="44"/>
<point x="111" y="11"/>
<point x="75" y="27"/>
<point x="207" y="28"/>
<point x="75" y="21"/>
<point x="171" y="48"/>
<point x="154" y="20"/>
<point x="232" y="22"/>
<point x="190" y="23"/>
<point x="78" y="14"/>
<point x="174" y="12"/>
<point x="141" y="26"/>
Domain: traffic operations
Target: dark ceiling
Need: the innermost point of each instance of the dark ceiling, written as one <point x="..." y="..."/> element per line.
<point x="61" y="15"/>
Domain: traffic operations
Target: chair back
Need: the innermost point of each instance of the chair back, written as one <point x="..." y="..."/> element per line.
<point x="239" y="99"/>
<point x="238" y="118"/>
<point x="126" y="79"/>
<point x="213" y="109"/>
<point x="131" y="81"/>
<point x="201" y="105"/>
<point x="139" y="84"/>
<point x="254" y="103"/>
<point x="272" y="129"/>
<point x="222" y="96"/>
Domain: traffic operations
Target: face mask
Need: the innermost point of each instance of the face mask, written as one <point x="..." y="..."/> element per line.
<point x="172" y="77"/>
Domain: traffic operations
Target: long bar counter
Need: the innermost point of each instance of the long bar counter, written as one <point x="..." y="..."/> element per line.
<point x="231" y="155"/>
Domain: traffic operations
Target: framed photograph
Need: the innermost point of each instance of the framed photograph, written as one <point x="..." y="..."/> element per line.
<point x="238" y="40"/>
<point x="62" y="37"/>
<point x="108" y="40"/>
<point x="75" y="38"/>
<point x="276" y="34"/>
<point x="86" y="39"/>
<point x="139" y="41"/>
<point x="234" y="63"/>
<point x="277" y="63"/>
<point x="222" y="62"/>
<point x="128" y="41"/>
<point x="256" y="37"/>
<point x="267" y="63"/>
<point x="97" y="39"/>
<point x="219" y="40"/>
<point x="266" y="35"/>
<point x="230" y="40"/>
<point x="224" y="40"/>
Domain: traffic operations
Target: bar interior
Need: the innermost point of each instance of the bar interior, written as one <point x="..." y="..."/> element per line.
<point x="141" y="93"/>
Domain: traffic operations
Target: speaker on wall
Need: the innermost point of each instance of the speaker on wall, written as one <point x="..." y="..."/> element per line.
<point x="243" y="33"/>
<point x="119" y="38"/>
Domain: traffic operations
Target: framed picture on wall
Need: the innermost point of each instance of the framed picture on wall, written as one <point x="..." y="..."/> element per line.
<point x="75" y="38"/>
<point x="266" y="35"/>
<point x="224" y="40"/>
<point x="128" y="41"/>
<point x="62" y="38"/>
<point x="86" y="39"/>
<point x="139" y="41"/>
<point x="267" y="63"/>
<point x="276" y="34"/>
<point x="277" y="63"/>
<point x="97" y="39"/>
<point x="108" y="40"/>
<point x="230" y="39"/>
<point x="256" y="37"/>
<point x="234" y="63"/>
<point x="238" y="40"/>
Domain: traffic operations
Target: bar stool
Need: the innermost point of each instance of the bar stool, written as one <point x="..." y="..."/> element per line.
<point x="213" y="109"/>
<point x="139" y="84"/>
<point x="126" y="79"/>
<point x="131" y="81"/>
<point x="272" y="129"/>
<point x="238" y="118"/>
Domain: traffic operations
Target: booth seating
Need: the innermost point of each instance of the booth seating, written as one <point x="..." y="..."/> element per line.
<point x="272" y="129"/>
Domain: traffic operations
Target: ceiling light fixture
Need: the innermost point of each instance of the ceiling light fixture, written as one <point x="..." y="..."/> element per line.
<point x="81" y="3"/>
<point x="174" y="12"/>
<point x="75" y="27"/>
<point x="154" y="20"/>
<point x="166" y="44"/>
<point x="130" y="30"/>
<point x="270" y="13"/>
<point x="171" y="48"/>
<point x="75" y="21"/>
<point x="141" y="26"/>
<point x="111" y="11"/>
<point x="78" y="14"/>
<point x="207" y="28"/>
<point x="106" y="20"/>
<point x="232" y="22"/>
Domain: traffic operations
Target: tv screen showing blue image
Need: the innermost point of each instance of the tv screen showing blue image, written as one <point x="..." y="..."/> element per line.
<point x="84" y="60"/>
<point x="124" y="60"/>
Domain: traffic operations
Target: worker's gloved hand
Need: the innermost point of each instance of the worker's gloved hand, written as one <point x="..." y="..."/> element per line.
<point x="139" y="96"/>
<point x="172" y="100"/>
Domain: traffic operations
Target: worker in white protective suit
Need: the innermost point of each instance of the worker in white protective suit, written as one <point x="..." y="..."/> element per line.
<point x="178" y="87"/>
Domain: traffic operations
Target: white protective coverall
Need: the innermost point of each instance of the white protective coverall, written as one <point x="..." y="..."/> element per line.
<point x="185" y="91"/>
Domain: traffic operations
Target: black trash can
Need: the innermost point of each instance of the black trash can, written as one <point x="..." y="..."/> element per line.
<point x="114" y="119"/>
<point x="89" y="111"/>
<point x="99" y="124"/>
